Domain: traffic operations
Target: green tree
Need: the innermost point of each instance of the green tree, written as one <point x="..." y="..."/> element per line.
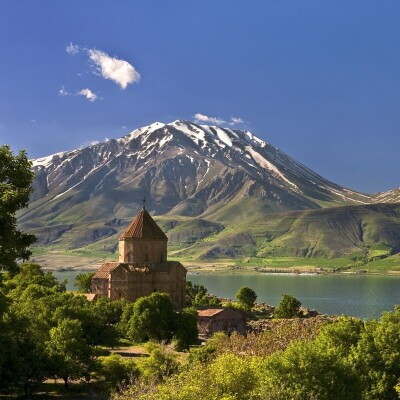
<point x="377" y="356"/>
<point x="194" y="291"/>
<point x="115" y="369"/>
<point x="96" y="328"/>
<point x="15" y="187"/>
<point x="306" y="370"/>
<point x="247" y="297"/>
<point x="71" y="355"/>
<point x="110" y="310"/>
<point x="153" y="318"/>
<point x="289" y="307"/>
<point x="29" y="274"/>
<point x="83" y="282"/>
<point x="196" y="295"/>
<point x="185" y="331"/>
<point x="160" y="364"/>
<point x="342" y="335"/>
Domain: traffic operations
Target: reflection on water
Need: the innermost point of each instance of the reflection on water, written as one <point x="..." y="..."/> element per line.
<point x="364" y="296"/>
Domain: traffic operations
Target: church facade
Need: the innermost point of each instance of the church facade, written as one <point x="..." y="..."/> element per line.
<point x="143" y="267"/>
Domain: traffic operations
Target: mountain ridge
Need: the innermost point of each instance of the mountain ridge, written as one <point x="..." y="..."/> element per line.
<point x="214" y="174"/>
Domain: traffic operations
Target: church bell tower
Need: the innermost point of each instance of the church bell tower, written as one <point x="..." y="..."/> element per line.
<point x="143" y="241"/>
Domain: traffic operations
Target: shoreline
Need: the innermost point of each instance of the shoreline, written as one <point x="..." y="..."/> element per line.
<point x="242" y="271"/>
<point x="71" y="262"/>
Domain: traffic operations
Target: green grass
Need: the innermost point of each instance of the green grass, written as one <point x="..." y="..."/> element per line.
<point x="243" y="233"/>
<point x="391" y="263"/>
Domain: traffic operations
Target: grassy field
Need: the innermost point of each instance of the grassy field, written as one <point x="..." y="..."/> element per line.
<point x="80" y="260"/>
<point x="244" y="235"/>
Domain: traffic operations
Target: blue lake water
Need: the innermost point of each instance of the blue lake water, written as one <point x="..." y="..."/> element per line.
<point x="365" y="296"/>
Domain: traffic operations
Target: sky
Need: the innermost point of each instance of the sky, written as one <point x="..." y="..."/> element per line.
<point x="318" y="79"/>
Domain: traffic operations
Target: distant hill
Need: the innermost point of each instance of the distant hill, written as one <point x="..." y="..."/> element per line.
<point x="370" y="230"/>
<point x="224" y="192"/>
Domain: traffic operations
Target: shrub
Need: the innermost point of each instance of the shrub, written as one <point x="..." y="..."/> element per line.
<point x="289" y="307"/>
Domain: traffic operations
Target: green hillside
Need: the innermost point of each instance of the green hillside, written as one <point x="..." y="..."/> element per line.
<point x="331" y="237"/>
<point x="371" y="231"/>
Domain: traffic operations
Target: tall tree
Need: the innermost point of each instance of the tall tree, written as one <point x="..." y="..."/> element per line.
<point x="247" y="297"/>
<point x="83" y="282"/>
<point x="153" y="318"/>
<point x="71" y="355"/>
<point x="15" y="187"/>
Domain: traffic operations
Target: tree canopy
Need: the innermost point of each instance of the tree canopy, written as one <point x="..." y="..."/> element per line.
<point x="289" y="307"/>
<point x="152" y="319"/>
<point x="15" y="187"/>
<point x="247" y="297"/>
<point x="83" y="282"/>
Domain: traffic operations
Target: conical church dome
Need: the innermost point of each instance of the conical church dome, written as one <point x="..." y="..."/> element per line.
<point x="143" y="227"/>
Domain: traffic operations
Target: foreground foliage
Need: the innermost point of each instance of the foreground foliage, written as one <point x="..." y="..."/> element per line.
<point x="341" y="359"/>
<point x="47" y="332"/>
<point x="15" y="180"/>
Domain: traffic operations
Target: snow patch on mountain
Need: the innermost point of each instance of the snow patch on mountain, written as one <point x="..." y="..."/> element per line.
<point x="46" y="161"/>
<point x="264" y="163"/>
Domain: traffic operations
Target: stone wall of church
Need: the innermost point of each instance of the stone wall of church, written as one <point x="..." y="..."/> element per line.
<point x="118" y="282"/>
<point x="135" y="251"/>
<point x="99" y="286"/>
<point x="144" y="283"/>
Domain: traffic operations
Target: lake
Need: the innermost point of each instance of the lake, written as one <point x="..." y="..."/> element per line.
<point x="365" y="296"/>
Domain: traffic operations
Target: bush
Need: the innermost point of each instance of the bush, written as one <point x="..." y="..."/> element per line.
<point x="186" y="331"/>
<point x="160" y="364"/>
<point x="289" y="307"/>
<point x="116" y="369"/>
<point x="314" y="374"/>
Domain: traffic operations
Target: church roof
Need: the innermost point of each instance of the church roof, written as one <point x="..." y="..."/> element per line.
<point x="105" y="269"/>
<point x="143" y="227"/>
<point x="166" y="266"/>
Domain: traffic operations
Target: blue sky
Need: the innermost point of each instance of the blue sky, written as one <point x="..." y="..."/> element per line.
<point x="318" y="79"/>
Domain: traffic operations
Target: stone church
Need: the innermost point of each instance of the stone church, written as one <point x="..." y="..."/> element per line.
<point x="143" y="267"/>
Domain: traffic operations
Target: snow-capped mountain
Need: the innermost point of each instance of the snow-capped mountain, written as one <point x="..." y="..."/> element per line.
<point x="181" y="168"/>
<point x="199" y="180"/>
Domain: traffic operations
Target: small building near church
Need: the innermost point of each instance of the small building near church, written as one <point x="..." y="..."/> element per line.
<point x="225" y="320"/>
<point x="143" y="267"/>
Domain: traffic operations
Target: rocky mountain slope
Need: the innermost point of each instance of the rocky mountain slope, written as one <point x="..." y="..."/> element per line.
<point x="214" y="175"/>
<point x="391" y="196"/>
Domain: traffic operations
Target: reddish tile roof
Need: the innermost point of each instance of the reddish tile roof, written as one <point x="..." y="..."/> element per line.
<point x="105" y="270"/>
<point x="143" y="227"/>
<point x="210" y="312"/>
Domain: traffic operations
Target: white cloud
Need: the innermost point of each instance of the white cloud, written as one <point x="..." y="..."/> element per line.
<point x="236" y="120"/>
<point x="119" y="71"/>
<point x="88" y="94"/>
<point x="217" y="120"/>
<point x="72" y="49"/>
<point x="88" y="143"/>
<point x="64" y="92"/>
<point x="211" y="120"/>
